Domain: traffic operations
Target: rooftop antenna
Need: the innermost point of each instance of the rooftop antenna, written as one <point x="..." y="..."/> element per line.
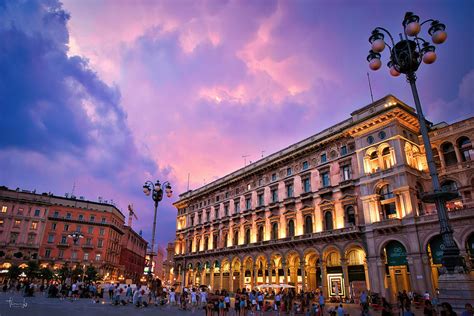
<point x="245" y="159"/>
<point x="73" y="188"/>
<point x="263" y="151"/>
<point x="370" y="88"/>
<point x="188" y="183"/>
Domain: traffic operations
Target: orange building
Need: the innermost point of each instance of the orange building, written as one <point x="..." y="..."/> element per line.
<point x="132" y="255"/>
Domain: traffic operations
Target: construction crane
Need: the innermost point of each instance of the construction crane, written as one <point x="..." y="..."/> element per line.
<point x="131" y="213"/>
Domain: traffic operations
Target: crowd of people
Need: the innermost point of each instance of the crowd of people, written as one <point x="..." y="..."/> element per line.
<point x="241" y="303"/>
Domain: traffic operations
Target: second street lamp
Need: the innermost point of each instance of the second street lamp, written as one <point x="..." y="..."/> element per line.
<point x="156" y="191"/>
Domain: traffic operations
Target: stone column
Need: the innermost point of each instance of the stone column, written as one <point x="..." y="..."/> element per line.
<point x="381" y="278"/>
<point x="441" y="158"/>
<point x="241" y="277"/>
<point x="303" y="275"/>
<point x="221" y="279"/>
<point x="367" y="279"/>
<point x="324" y="279"/>
<point x="255" y="276"/>
<point x="212" y="279"/>
<point x="458" y="153"/>
<point x="345" y="273"/>
<point x="285" y="271"/>
<point x="269" y="272"/>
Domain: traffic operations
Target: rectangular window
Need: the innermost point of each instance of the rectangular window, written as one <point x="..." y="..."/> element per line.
<point x="34" y="225"/>
<point x="323" y="158"/>
<point x="248" y="203"/>
<point x="305" y="165"/>
<point x="289" y="190"/>
<point x="86" y="256"/>
<point x="192" y="220"/>
<point x="260" y="200"/>
<point x="90" y="230"/>
<point x="288" y="171"/>
<point x="17" y="223"/>
<point x="216" y="213"/>
<point x="346" y="173"/>
<point x="37" y="212"/>
<point x="208" y="217"/>
<point x="47" y="253"/>
<point x="4" y="209"/>
<point x="74" y="255"/>
<point x="306" y="185"/>
<point x="20" y="211"/>
<point x="217" y="198"/>
<point x="50" y="239"/>
<point x="199" y="219"/>
<point x="66" y="227"/>
<point x="61" y="254"/>
<point x="81" y="217"/>
<point x="103" y="220"/>
<point x="343" y="150"/>
<point x="68" y="216"/>
<point x="275" y="195"/>
<point x="237" y="207"/>
<point x="53" y="226"/>
<point x="78" y="228"/>
<point x="325" y="179"/>
<point x="89" y="241"/>
<point x="63" y="240"/>
<point x="97" y="257"/>
<point x="226" y="210"/>
<point x="274" y="177"/>
<point x="100" y="243"/>
<point x="56" y="214"/>
<point x="92" y="218"/>
<point x="101" y="232"/>
<point x="13" y="238"/>
<point x="227" y="195"/>
<point x="260" y="182"/>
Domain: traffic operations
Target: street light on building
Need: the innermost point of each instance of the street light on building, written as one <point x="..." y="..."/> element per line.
<point x="156" y="191"/>
<point x="405" y="57"/>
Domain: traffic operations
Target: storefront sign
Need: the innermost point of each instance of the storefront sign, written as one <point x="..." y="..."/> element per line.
<point x="396" y="254"/>
<point x="336" y="284"/>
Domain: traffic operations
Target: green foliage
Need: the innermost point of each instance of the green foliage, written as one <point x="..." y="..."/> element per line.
<point x="91" y="273"/>
<point x="46" y="274"/>
<point x="13" y="272"/>
<point x="77" y="272"/>
<point x="32" y="270"/>
<point x="64" y="272"/>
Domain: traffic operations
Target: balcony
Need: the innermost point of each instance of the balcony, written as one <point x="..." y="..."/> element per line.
<point x="325" y="190"/>
<point x="63" y="244"/>
<point x="88" y="246"/>
<point x="289" y="200"/>
<point x="28" y="245"/>
<point x="388" y="226"/>
<point x="346" y="184"/>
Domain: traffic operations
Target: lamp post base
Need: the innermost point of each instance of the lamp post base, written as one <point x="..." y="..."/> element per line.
<point x="456" y="289"/>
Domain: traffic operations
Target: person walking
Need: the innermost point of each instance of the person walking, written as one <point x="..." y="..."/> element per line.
<point x="321" y="301"/>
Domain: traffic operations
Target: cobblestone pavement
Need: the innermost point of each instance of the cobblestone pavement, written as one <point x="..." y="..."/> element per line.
<point x="42" y="306"/>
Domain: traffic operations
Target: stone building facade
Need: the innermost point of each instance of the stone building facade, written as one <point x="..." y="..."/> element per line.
<point x="338" y="212"/>
<point x="132" y="255"/>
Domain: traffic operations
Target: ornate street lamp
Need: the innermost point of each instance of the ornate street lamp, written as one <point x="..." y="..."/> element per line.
<point x="405" y="58"/>
<point x="75" y="237"/>
<point x="157" y="196"/>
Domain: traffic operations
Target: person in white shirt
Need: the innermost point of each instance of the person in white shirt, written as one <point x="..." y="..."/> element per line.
<point x="193" y="297"/>
<point x="203" y="298"/>
<point x="172" y="297"/>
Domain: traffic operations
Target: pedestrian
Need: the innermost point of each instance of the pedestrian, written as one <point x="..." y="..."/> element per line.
<point x="321" y="303"/>
<point x="468" y="311"/>
<point x="447" y="310"/>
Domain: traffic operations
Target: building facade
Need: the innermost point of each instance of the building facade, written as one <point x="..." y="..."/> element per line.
<point x="338" y="212"/>
<point x="168" y="265"/>
<point x="38" y="227"/>
<point x="132" y="255"/>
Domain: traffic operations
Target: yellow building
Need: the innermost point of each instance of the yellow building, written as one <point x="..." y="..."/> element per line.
<point x="338" y="212"/>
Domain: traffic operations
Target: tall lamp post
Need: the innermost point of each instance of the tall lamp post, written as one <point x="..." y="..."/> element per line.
<point x="405" y="57"/>
<point x="157" y="195"/>
<point x="75" y="236"/>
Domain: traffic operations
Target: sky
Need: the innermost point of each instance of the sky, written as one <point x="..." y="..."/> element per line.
<point x="98" y="96"/>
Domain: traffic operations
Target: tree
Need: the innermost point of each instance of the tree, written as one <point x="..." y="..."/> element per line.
<point x="77" y="272"/>
<point x="46" y="274"/>
<point x="13" y="272"/>
<point x="32" y="270"/>
<point x="64" y="272"/>
<point x="91" y="273"/>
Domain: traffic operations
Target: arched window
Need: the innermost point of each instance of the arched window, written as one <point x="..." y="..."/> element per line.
<point x="308" y="224"/>
<point x="198" y="244"/>
<point x="247" y="236"/>
<point x="350" y="215"/>
<point x="224" y="240"/>
<point x="291" y="228"/>
<point x="387" y="202"/>
<point x="328" y="223"/>
<point x="465" y="147"/>
<point x="215" y="238"/>
<point x="260" y="233"/>
<point x="275" y="231"/>
<point x="387" y="158"/>
<point x="449" y="154"/>
<point x="449" y="185"/>
<point x="206" y="243"/>
<point x="236" y="238"/>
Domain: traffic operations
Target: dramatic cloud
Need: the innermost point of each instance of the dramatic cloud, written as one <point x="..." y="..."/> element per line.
<point x="125" y="91"/>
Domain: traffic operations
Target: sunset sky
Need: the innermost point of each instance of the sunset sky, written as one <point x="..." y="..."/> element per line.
<point x="103" y="95"/>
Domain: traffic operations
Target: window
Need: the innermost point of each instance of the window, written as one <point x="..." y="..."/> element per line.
<point x="346" y="172"/>
<point x="208" y="215"/>
<point x="63" y="240"/>
<point x="449" y="154"/>
<point x="192" y="220"/>
<point x="249" y="187"/>
<point x="88" y="241"/>
<point x="4" y="209"/>
<point x="288" y="171"/>
<point x="465" y="146"/>
<point x="248" y="203"/>
<point x="34" y="225"/>
<point x="217" y="198"/>
<point x="78" y="228"/>
<point x="68" y="216"/>
<point x="199" y="219"/>
<point x="90" y="230"/>
<point x="227" y="195"/>
<point x="61" y="254"/>
<point x="81" y="217"/>
<point x="328" y="224"/>
<point x="20" y="211"/>
<point x="103" y="220"/>
<point x="86" y="256"/>
<point x="308" y="224"/>
<point x="226" y="210"/>
<point x="387" y="158"/>
<point x="31" y="238"/>
<point x="100" y="243"/>
<point x="214" y="241"/>
<point x="56" y="214"/>
<point x="306" y="185"/>
<point x="370" y="139"/>
<point x="260" y="199"/>
<point x="247" y="236"/>
<point x="53" y="226"/>
<point x="224" y="240"/>
<point x="291" y="228"/>
<point x="235" y="242"/>
<point x="74" y="255"/>
<point x="97" y="257"/>
<point x="343" y="150"/>
<point x="350" y="215"/>
<point x="387" y="201"/>
<point x="17" y="223"/>
<point x="305" y="165"/>
<point x="101" y="231"/>
<point x="237" y="207"/>
<point x="289" y="190"/>
<point x="260" y="182"/>
<point x="47" y="253"/>
<point x="66" y="227"/>
<point x="37" y="212"/>
<point x="50" y="239"/>
<point x="325" y="179"/>
<point x="216" y="213"/>
<point x="274" y="176"/>
<point x="92" y="218"/>
<point x="13" y="238"/>
<point x="260" y="233"/>
<point x="275" y="195"/>
<point x="323" y="158"/>
<point x="275" y="231"/>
